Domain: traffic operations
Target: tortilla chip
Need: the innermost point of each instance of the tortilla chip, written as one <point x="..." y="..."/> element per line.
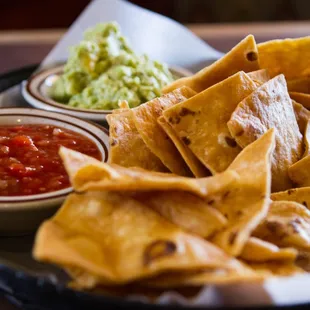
<point x="300" y="195"/>
<point x="307" y="140"/>
<point x="303" y="260"/>
<point x="235" y="272"/>
<point x="127" y="148"/>
<point x="302" y="98"/>
<point x="145" y="118"/>
<point x="196" y="167"/>
<point x="87" y="173"/>
<point x="246" y="202"/>
<point x="186" y="210"/>
<point x="243" y="57"/>
<point x="283" y="269"/>
<point x="261" y="76"/>
<point x="299" y="85"/>
<point x="287" y="224"/>
<point x="270" y="107"/>
<point x="290" y="57"/>
<point x="120" y="240"/>
<point x="257" y="250"/>
<point x="299" y="172"/>
<point x="200" y="122"/>
<point x="302" y="115"/>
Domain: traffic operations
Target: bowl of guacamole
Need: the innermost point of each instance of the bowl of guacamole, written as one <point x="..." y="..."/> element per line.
<point x="101" y="71"/>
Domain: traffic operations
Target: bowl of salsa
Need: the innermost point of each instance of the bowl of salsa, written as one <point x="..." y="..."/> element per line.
<point x="33" y="180"/>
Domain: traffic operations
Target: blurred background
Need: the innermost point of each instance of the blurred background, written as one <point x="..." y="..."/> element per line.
<point x="34" y="14"/>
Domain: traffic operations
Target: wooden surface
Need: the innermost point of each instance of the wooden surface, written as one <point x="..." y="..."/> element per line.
<point x="22" y="48"/>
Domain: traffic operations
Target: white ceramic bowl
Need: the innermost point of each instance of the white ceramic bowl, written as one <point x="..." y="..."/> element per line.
<point x="23" y="214"/>
<point x="36" y="92"/>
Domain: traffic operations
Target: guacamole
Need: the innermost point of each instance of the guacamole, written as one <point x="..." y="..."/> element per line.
<point x="102" y="70"/>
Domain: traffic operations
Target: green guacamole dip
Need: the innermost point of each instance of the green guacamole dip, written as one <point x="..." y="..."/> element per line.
<point x="102" y="70"/>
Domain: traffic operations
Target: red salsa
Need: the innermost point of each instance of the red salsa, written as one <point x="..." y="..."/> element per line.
<point x="29" y="160"/>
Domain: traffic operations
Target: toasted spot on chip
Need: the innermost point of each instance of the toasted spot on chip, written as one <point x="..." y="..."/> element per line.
<point x="250" y="195"/>
<point x="243" y="57"/>
<point x="284" y="56"/>
<point x="270" y="107"/>
<point x="158" y="249"/>
<point x="196" y="167"/>
<point x="287" y="224"/>
<point x="208" y="129"/>
<point x="125" y="139"/>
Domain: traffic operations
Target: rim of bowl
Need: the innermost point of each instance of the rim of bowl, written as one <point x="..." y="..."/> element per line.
<point x="23" y="202"/>
<point x="34" y="91"/>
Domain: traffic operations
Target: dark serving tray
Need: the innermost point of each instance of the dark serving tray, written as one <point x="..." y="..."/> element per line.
<point x="34" y="286"/>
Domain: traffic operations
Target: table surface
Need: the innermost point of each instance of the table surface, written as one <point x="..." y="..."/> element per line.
<point x="21" y="48"/>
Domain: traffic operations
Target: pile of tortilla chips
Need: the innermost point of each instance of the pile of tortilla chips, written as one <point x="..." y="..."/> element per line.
<point x="208" y="184"/>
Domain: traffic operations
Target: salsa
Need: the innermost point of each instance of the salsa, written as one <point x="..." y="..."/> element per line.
<point x="29" y="160"/>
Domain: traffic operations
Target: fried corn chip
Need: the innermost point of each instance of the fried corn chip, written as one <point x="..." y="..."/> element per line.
<point x="196" y="167"/>
<point x="303" y="259"/>
<point x="300" y="195"/>
<point x="246" y="202"/>
<point x="289" y="56"/>
<point x="257" y="250"/>
<point x="270" y="107"/>
<point x="299" y="85"/>
<point x="235" y="271"/>
<point x="299" y="172"/>
<point x="302" y="116"/>
<point x="287" y="224"/>
<point x="119" y="240"/>
<point x="243" y="57"/>
<point x="302" y="98"/>
<point x="185" y="210"/>
<point x="259" y="76"/>
<point x="127" y="148"/>
<point x="145" y="118"/>
<point x="88" y="174"/>
<point x="201" y="121"/>
<point x="276" y="268"/>
<point x="307" y="140"/>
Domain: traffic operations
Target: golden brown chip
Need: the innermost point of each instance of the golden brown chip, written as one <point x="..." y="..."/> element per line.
<point x="299" y="172"/>
<point x="307" y="139"/>
<point x="201" y="121"/>
<point x="196" y="167"/>
<point x="299" y="85"/>
<point x="276" y="268"/>
<point x="186" y="210"/>
<point x="270" y="107"/>
<point x="300" y="195"/>
<point x="127" y="148"/>
<point x="260" y="76"/>
<point x="87" y="173"/>
<point x="236" y="271"/>
<point x="145" y="118"/>
<point x="302" y="98"/>
<point x="287" y="224"/>
<point x="246" y="202"/>
<point x="289" y="56"/>
<point x="119" y="240"/>
<point x="257" y="250"/>
<point x="243" y="57"/>
<point x="302" y="115"/>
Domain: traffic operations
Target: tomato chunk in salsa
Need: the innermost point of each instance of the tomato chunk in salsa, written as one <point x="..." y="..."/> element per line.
<point x="29" y="160"/>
